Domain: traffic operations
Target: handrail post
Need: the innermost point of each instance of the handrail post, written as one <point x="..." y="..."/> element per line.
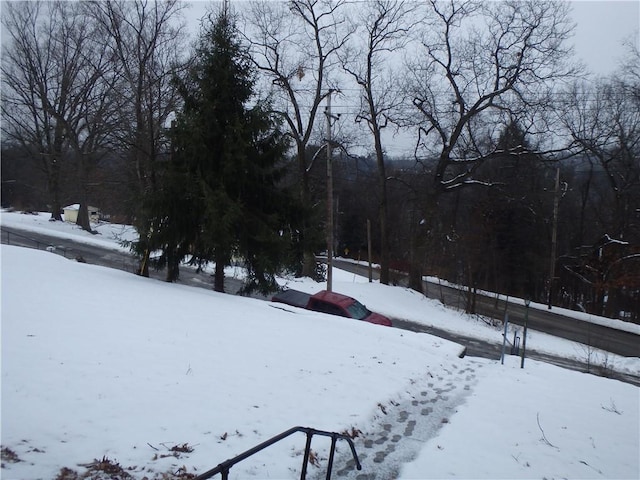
<point x="354" y="453"/>
<point x="331" y="455"/>
<point x="307" y="450"/>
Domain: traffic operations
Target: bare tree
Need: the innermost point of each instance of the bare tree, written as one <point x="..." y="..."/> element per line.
<point x="93" y="106"/>
<point x="484" y="61"/>
<point x="483" y="65"/>
<point x="603" y="120"/>
<point x="145" y="39"/>
<point x="630" y="69"/>
<point x="372" y="60"/>
<point x="41" y="68"/>
<point x="294" y="44"/>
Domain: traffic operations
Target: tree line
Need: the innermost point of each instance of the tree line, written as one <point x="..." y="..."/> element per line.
<point x="523" y="175"/>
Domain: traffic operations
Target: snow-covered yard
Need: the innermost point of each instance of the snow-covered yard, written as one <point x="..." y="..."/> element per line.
<point x="165" y="378"/>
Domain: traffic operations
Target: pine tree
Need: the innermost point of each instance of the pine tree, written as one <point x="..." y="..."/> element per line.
<point x="221" y="197"/>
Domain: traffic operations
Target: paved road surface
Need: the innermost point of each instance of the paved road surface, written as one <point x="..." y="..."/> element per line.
<point x="97" y="255"/>
<point x="605" y="338"/>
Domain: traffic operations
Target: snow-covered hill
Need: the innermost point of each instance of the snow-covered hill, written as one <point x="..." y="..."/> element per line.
<point x="101" y="364"/>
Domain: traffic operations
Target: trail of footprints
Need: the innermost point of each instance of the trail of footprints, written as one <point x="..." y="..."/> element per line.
<point x="398" y="436"/>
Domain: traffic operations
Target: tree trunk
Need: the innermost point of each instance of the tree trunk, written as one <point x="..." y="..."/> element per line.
<point x="173" y="264"/>
<point x="53" y="181"/>
<point x="308" y="254"/>
<point x="415" y="257"/>
<point x="415" y="277"/>
<point x="83" y="220"/>
<point x="143" y="268"/>
<point x="143" y="246"/>
<point x="218" y="276"/>
<point x="54" y="190"/>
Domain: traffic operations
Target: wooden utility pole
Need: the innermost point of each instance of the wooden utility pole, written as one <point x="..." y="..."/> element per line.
<point x="329" y="199"/>
<point x="554" y="238"/>
<point x="369" y="250"/>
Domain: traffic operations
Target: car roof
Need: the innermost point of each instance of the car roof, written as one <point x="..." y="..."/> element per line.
<point x="335" y="298"/>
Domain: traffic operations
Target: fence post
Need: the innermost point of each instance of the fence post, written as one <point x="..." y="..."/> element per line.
<point x="504" y="336"/>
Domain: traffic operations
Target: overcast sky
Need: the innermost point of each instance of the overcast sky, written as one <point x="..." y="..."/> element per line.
<point x="601" y="27"/>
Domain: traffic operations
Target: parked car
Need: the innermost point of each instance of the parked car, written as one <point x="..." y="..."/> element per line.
<point x="332" y="303"/>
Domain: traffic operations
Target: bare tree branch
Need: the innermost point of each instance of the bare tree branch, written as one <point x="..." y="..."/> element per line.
<point x="294" y="45"/>
<point x="485" y="63"/>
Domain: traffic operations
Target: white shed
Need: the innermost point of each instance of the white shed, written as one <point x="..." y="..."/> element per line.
<point x="71" y="213"/>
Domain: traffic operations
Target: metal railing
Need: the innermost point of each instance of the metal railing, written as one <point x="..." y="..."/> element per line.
<point x="13" y="238"/>
<point x="224" y="467"/>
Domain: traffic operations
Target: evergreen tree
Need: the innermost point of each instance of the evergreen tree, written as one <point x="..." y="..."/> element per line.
<point x="221" y="197"/>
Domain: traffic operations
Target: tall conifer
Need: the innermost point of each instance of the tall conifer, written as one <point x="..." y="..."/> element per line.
<point x="221" y="196"/>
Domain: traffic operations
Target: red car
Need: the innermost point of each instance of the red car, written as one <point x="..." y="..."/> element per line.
<point x="332" y="303"/>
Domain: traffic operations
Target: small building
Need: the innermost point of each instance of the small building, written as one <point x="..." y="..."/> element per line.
<point x="71" y="213"/>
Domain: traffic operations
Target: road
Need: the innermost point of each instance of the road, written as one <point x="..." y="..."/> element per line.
<point x="604" y="338"/>
<point x="98" y="255"/>
<point x="611" y="340"/>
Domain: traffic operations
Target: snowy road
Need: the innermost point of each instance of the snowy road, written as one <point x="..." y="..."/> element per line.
<point x="598" y="336"/>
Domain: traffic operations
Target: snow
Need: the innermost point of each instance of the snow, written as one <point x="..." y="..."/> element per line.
<point x="541" y="422"/>
<point x="130" y="368"/>
<point x="108" y="235"/>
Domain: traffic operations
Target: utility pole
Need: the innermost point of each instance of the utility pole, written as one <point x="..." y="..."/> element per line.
<point x="329" y="198"/>
<point x="369" y="250"/>
<point x="524" y="335"/>
<point x="554" y="238"/>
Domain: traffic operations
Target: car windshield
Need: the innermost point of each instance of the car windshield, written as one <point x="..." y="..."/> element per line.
<point x="358" y="311"/>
